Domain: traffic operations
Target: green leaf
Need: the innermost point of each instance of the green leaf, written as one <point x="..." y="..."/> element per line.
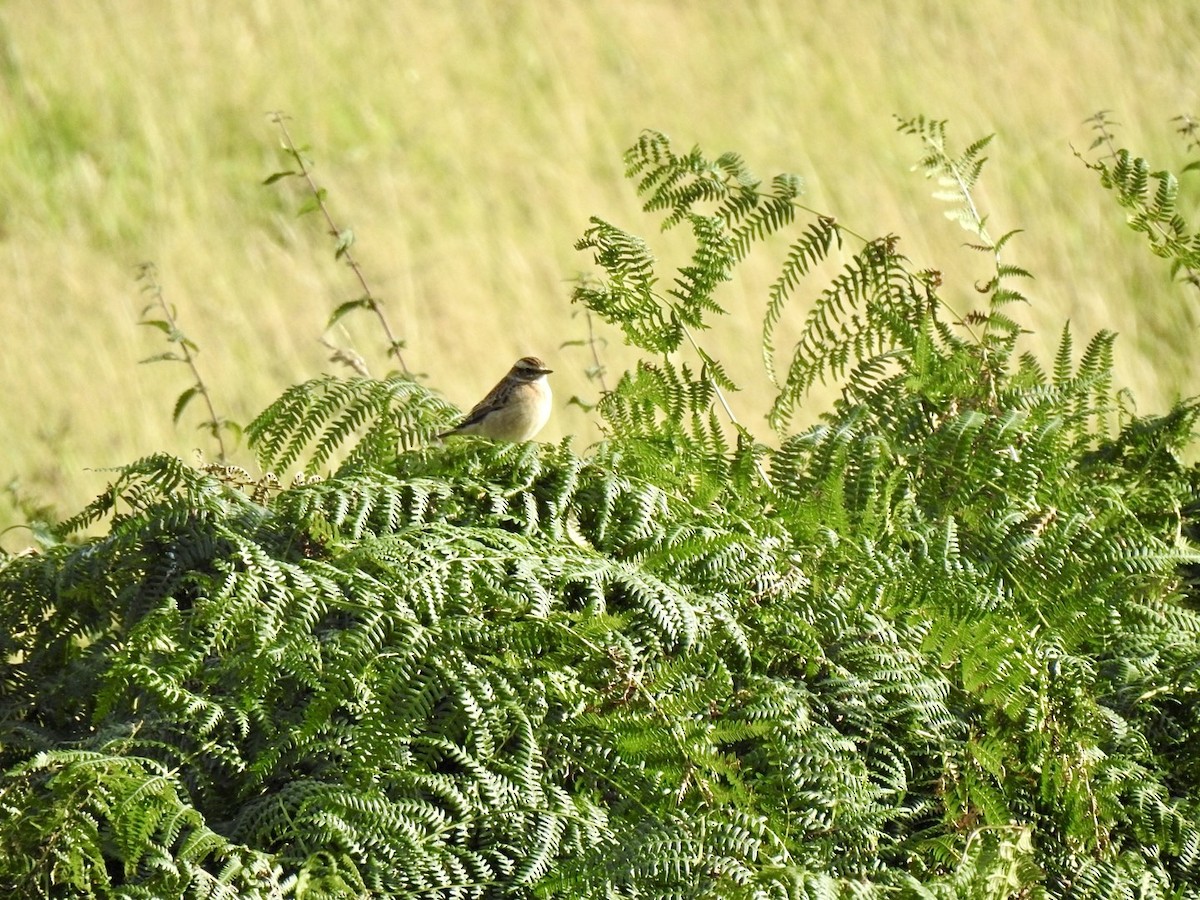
<point x="314" y="202"/>
<point x="184" y="399"/>
<point x="576" y="400"/>
<point x="347" y="307"/>
<point x="233" y="428"/>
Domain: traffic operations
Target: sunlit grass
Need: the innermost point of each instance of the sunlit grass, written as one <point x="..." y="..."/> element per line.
<point x="466" y="143"/>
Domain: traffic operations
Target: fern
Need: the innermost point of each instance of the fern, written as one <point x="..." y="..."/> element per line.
<point x="322" y="417"/>
<point x="803" y="256"/>
<point x="942" y="643"/>
<point x="82" y="809"/>
<point x="1151" y="198"/>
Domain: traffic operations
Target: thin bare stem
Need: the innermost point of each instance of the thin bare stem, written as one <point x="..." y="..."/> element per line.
<point x="344" y="239"/>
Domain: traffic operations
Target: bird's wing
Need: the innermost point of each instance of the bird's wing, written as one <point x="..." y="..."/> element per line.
<point x="480" y="410"/>
<point x="478" y="413"/>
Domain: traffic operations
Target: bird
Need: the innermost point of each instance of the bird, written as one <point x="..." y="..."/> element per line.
<point x="515" y="409"/>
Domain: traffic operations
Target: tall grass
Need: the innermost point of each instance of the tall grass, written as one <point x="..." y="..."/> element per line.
<point x="467" y="142"/>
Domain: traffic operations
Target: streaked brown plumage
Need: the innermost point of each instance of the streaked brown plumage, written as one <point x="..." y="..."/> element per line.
<point x="515" y="409"/>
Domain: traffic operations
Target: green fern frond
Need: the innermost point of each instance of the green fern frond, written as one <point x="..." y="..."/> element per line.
<point x="628" y="297"/>
<point x="804" y="254"/>
<point x="872" y="308"/>
<point x="1152" y="210"/>
<point x="118" y="824"/>
<point x="364" y="418"/>
<point x="711" y="264"/>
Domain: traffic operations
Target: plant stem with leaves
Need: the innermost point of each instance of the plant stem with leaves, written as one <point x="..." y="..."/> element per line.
<point x="169" y="326"/>
<point x="344" y="238"/>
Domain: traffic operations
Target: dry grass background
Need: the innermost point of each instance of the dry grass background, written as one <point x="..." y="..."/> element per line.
<point x="467" y="142"/>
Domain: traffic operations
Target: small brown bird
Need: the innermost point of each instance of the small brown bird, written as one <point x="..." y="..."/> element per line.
<point x="515" y="409"/>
